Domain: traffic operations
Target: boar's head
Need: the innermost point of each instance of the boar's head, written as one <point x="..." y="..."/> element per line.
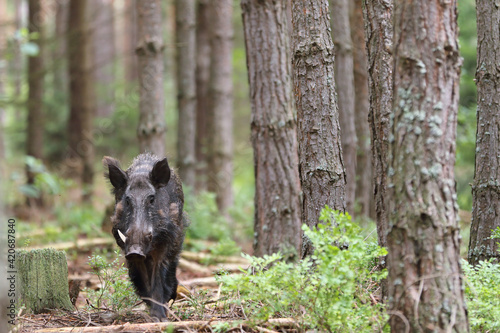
<point x="141" y="226"/>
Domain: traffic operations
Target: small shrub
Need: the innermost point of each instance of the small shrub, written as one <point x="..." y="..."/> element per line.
<point x="116" y="292"/>
<point x="45" y="182"/>
<point x="226" y="247"/>
<point x="205" y="220"/>
<point x="482" y="293"/>
<point x="495" y="234"/>
<point x="328" y="291"/>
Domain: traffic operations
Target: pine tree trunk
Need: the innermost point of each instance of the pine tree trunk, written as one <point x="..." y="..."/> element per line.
<point x="43" y="280"/>
<point x="379" y="32"/>
<point x="321" y="166"/>
<point x="17" y="59"/>
<point x="34" y="132"/>
<point x="341" y="33"/>
<point x="81" y="116"/>
<point x="220" y="145"/>
<point x="425" y="278"/>
<point x="364" y="186"/>
<point x="103" y="55"/>
<point x="59" y="51"/>
<point x="185" y="18"/>
<point x="277" y="183"/>
<point x="129" y="41"/>
<point x="486" y="204"/>
<point x="203" y="56"/>
<point x="151" y="129"/>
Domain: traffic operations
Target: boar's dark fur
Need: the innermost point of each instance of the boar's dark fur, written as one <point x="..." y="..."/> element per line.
<point x="148" y="225"/>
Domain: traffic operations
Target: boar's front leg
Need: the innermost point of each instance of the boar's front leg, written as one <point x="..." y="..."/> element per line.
<point x="170" y="284"/>
<point x="158" y="303"/>
<point x="146" y="278"/>
<point x="138" y="273"/>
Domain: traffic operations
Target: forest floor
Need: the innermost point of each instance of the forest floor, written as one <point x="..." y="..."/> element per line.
<point x="199" y="307"/>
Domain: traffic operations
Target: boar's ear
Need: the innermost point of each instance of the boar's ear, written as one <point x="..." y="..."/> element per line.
<point x="160" y="175"/>
<point x="117" y="177"/>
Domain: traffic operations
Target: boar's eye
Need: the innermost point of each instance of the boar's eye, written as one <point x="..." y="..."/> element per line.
<point x="151" y="199"/>
<point x="127" y="202"/>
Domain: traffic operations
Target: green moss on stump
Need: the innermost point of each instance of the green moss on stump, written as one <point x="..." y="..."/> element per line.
<point x="43" y="280"/>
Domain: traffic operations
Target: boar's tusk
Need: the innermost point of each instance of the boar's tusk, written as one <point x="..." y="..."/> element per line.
<point x="122" y="236"/>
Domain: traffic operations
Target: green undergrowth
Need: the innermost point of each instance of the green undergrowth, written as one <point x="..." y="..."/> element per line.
<point x="116" y="292"/>
<point x="482" y="293"/>
<point x="329" y="291"/>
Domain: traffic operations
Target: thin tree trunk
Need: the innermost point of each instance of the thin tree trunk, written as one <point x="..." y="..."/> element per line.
<point x="486" y="205"/>
<point x="425" y="278"/>
<point x="129" y="41"/>
<point x="274" y="139"/>
<point x="18" y="58"/>
<point x="341" y="33"/>
<point x="220" y="146"/>
<point x="364" y="185"/>
<point x="151" y="129"/>
<point x="59" y="51"/>
<point x="81" y="116"/>
<point x="185" y="18"/>
<point x="103" y="55"/>
<point x="34" y="131"/>
<point x="320" y="153"/>
<point x="203" y="56"/>
<point x="379" y="31"/>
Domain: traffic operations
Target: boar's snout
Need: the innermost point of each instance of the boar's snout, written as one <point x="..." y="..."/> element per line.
<point x="135" y="252"/>
<point x="137" y="244"/>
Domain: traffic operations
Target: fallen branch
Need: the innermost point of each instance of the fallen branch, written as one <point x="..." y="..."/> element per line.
<point x="199" y="256"/>
<point x="79" y="244"/>
<point x="204" y="281"/>
<point x="194" y="267"/>
<point x="162" y="327"/>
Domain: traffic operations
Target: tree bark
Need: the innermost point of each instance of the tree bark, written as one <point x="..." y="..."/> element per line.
<point x="129" y="41"/>
<point x="341" y="33"/>
<point x="81" y="116"/>
<point x="220" y="145"/>
<point x="321" y="166"/>
<point x="34" y="131"/>
<point x="364" y="186"/>
<point x="203" y="56"/>
<point x="104" y="53"/>
<point x="277" y="183"/>
<point x="185" y="35"/>
<point x="486" y="205"/>
<point x="425" y="278"/>
<point x="379" y="32"/>
<point x="151" y="128"/>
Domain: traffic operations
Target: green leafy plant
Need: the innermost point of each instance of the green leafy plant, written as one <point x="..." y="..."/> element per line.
<point x="45" y="182"/>
<point x="225" y="247"/>
<point x="205" y="220"/>
<point x="495" y="233"/>
<point x="330" y="291"/>
<point x="116" y="292"/>
<point x="482" y="293"/>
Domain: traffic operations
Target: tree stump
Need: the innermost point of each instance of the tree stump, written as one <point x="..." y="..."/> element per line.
<point x="43" y="280"/>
